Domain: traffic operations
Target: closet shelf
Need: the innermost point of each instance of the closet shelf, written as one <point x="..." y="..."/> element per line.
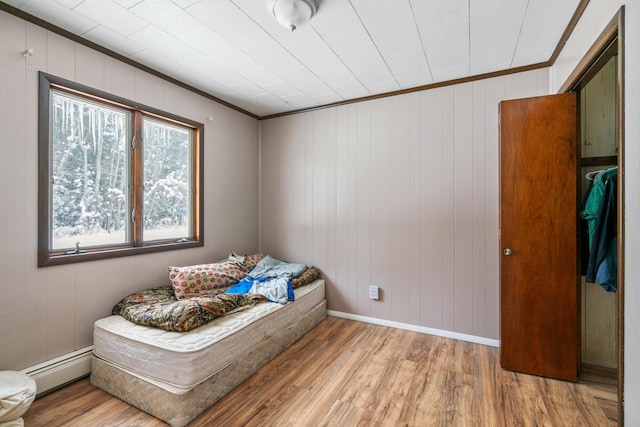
<point x="599" y="161"/>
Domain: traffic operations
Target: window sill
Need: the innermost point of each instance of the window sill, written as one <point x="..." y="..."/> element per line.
<point x="93" y="254"/>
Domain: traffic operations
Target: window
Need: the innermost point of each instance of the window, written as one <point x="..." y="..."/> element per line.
<point x="115" y="178"/>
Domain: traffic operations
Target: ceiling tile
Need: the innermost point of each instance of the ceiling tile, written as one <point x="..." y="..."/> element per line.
<point x="247" y="89"/>
<point x="128" y="3"/>
<point x="392" y="27"/>
<point x="299" y="77"/>
<point x="166" y="15"/>
<point x="493" y="36"/>
<point x="261" y="76"/>
<point x="112" y="40"/>
<point x="69" y="3"/>
<point x="60" y="15"/>
<point x="280" y="89"/>
<point x="212" y="45"/>
<point x="346" y="85"/>
<point x="318" y="91"/>
<point x="157" y="61"/>
<point x="111" y="15"/>
<point x="160" y="42"/>
<point x="299" y="100"/>
<point x="541" y="30"/>
<point x="185" y="3"/>
<point x="444" y="30"/>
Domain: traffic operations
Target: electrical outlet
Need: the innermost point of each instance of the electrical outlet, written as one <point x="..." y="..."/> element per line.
<point x="374" y="292"/>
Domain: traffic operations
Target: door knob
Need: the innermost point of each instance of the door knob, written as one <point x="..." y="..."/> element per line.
<point x="507" y="251"/>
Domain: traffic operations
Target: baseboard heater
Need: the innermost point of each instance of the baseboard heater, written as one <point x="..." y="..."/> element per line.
<point x="61" y="370"/>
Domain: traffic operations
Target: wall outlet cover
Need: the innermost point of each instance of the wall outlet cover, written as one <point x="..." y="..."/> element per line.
<point x="374" y="292"/>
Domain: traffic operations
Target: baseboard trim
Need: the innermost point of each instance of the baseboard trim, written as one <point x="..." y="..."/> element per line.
<point x="61" y="370"/>
<point x="415" y="328"/>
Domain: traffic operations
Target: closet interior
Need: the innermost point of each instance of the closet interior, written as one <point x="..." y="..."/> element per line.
<point x="599" y="104"/>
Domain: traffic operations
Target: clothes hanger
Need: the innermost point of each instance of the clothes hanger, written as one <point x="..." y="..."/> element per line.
<point x="591" y="175"/>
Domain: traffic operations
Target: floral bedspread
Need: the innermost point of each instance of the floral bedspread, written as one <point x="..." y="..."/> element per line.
<point x="160" y="308"/>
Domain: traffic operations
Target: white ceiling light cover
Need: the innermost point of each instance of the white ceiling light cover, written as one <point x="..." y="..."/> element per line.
<point x="292" y="14"/>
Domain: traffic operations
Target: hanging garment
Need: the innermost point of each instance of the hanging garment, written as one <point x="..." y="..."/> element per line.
<point x="584" y="233"/>
<point x="603" y="257"/>
<point x="594" y="201"/>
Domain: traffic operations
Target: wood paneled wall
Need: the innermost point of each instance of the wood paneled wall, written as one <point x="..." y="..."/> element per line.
<point x="399" y="192"/>
<point x="49" y="312"/>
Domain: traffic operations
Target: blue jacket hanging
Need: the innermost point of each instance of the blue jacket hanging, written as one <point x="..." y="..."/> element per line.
<point x="603" y="258"/>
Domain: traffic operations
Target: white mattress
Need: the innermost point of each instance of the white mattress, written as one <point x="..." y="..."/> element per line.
<point x="185" y="359"/>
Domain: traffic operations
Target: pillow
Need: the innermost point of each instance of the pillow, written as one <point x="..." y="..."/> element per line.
<point x="205" y="279"/>
<point x="234" y="257"/>
<point x="250" y="261"/>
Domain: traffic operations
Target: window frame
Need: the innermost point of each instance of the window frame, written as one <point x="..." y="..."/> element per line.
<point x="49" y="257"/>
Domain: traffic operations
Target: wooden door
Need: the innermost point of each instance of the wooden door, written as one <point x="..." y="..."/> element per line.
<point x="539" y="299"/>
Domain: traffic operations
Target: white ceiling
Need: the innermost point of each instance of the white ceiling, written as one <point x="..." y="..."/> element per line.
<point x="236" y="51"/>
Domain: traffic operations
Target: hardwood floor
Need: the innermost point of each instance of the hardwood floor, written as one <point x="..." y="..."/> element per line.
<point x="603" y="385"/>
<point x="347" y="373"/>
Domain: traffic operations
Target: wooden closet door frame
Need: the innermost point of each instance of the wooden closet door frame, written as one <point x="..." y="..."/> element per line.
<point x="590" y="64"/>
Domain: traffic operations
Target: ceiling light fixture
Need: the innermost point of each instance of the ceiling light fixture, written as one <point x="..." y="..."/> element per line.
<point x="293" y="13"/>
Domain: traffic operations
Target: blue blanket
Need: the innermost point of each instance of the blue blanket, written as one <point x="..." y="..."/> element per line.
<point x="271" y="278"/>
